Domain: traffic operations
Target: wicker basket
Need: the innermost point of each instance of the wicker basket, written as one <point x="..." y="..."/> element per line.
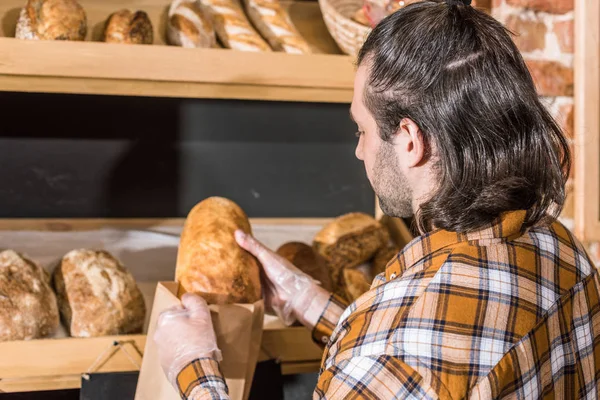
<point x="348" y="34"/>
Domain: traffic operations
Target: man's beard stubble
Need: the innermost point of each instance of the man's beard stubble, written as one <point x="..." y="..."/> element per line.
<point x="390" y="184"/>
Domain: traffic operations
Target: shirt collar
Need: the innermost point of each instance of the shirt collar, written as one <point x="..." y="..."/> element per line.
<point x="508" y="226"/>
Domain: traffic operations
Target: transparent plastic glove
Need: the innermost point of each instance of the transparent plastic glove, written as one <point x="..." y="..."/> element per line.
<point x="185" y="333"/>
<point x="289" y="292"/>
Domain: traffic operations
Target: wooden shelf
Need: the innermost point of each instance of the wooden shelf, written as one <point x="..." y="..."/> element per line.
<point x="93" y="67"/>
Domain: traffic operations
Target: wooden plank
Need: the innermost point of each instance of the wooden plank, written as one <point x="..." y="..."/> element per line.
<point x="119" y="87"/>
<point x="70" y="356"/>
<point x="300" y="368"/>
<point x="173" y="64"/>
<point x="38" y="383"/>
<point x="587" y="120"/>
<point x="80" y="224"/>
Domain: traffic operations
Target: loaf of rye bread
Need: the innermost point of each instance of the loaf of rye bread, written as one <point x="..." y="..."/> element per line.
<point x="209" y="260"/>
<point x="97" y="296"/>
<point x="308" y="261"/>
<point x="28" y="307"/>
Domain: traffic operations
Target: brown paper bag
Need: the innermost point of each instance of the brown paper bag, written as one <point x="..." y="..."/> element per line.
<point x="238" y="328"/>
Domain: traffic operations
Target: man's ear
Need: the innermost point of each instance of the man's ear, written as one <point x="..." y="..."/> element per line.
<point x="412" y="142"/>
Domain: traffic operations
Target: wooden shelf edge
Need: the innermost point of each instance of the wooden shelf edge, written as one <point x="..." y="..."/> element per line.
<point x="80" y="224"/>
<point x="167" y="70"/>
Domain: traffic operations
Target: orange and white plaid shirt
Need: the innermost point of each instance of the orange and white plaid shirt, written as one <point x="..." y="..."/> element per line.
<point x="499" y="313"/>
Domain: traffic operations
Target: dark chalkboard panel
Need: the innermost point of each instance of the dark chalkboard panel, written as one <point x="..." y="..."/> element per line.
<point x="103" y="156"/>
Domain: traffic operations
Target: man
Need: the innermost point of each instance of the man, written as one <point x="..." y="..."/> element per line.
<point x="495" y="299"/>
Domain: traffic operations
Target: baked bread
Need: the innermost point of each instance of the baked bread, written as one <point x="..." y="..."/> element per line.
<point x="232" y="27"/>
<point x="97" y="296"/>
<point x="348" y="241"/>
<point x="52" y="20"/>
<point x="209" y="260"/>
<point x="28" y="307"/>
<point x="356" y="283"/>
<point x="308" y="261"/>
<point x="127" y="27"/>
<point x="189" y="25"/>
<point x="382" y="257"/>
<point x="275" y="25"/>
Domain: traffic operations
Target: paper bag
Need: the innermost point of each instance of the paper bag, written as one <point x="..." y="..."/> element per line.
<point x="238" y="328"/>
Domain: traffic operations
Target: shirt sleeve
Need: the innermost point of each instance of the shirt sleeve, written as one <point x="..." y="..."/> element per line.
<point x="328" y="319"/>
<point x="375" y="377"/>
<point x="202" y="379"/>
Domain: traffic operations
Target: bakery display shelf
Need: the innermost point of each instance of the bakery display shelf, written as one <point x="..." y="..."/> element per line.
<point x="60" y="362"/>
<point x="93" y="67"/>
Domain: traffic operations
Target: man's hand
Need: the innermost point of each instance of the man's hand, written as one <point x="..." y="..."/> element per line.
<point x="185" y="333"/>
<point x="289" y="292"/>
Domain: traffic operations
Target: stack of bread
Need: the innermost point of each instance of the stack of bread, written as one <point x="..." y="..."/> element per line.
<point x="91" y="290"/>
<point x="255" y="25"/>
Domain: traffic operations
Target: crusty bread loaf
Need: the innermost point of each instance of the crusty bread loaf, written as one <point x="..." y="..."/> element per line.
<point x="190" y="25"/>
<point x="382" y="257"/>
<point x="52" y="20"/>
<point x="28" y="307"/>
<point x="275" y="25"/>
<point x="97" y="296"/>
<point x="348" y="241"/>
<point x="232" y="27"/>
<point x="308" y="261"/>
<point x="128" y="27"/>
<point x="356" y="283"/>
<point x="209" y="260"/>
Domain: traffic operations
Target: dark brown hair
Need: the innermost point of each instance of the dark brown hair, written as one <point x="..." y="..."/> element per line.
<point x="457" y="74"/>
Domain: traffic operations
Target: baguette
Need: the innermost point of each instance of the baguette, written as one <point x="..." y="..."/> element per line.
<point x="275" y="25"/>
<point x="232" y="27"/>
<point x="190" y="25"/>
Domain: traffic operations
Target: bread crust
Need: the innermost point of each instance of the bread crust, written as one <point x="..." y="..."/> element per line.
<point x="308" y="261"/>
<point x="28" y="308"/>
<point x="97" y="296"/>
<point x="52" y="20"/>
<point x="209" y="260"/>
<point x="128" y="27"/>
<point x="190" y="25"/>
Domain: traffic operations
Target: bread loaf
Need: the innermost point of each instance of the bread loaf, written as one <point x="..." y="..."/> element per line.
<point x="275" y="25"/>
<point x="209" y="260"/>
<point x="356" y="283"/>
<point x="348" y="241"/>
<point x="382" y="257"/>
<point x="189" y="25"/>
<point x="28" y="307"/>
<point x="129" y="28"/>
<point x="97" y="296"/>
<point x="232" y="27"/>
<point x="308" y="261"/>
<point x="52" y="20"/>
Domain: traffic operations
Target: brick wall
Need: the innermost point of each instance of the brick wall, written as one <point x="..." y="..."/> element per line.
<point x="544" y="33"/>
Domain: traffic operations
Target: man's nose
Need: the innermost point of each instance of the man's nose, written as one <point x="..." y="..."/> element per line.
<point x="358" y="152"/>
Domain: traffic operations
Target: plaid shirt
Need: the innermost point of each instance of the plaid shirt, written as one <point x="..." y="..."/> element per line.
<point x="499" y="313"/>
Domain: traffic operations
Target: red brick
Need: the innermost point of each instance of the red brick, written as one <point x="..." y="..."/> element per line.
<point x="564" y="31"/>
<point x="550" y="6"/>
<point x="530" y="34"/>
<point x="551" y="78"/>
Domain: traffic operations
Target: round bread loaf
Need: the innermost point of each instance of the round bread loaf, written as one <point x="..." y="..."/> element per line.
<point x="129" y="28"/>
<point x="348" y="241"/>
<point x="97" y="296"/>
<point x="28" y="307"/>
<point x="52" y="20"/>
<point x="382" y="257"/>
<point x="308" y="261"/>
<point x="356" y="283"/>
<point x="209" y="260"/>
